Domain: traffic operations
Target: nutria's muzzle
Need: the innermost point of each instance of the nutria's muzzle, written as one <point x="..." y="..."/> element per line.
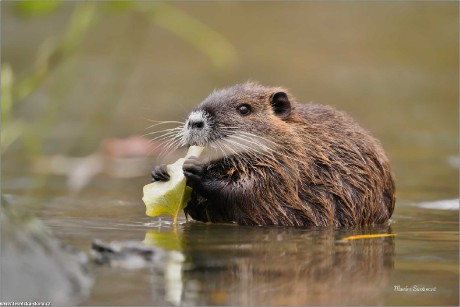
<point x="197" y="129"/>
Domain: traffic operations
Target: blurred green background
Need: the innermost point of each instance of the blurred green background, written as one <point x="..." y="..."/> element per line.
<point x="74" y="74"/>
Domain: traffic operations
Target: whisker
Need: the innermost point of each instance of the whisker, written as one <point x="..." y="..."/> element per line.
<point x="168" y="139"/>
<point x="165" y="136"/>
<point x="253" y="151"/>
<point x="228" y="144"/>
<point x="239" y="151"/>
<point x="170" y="146"/>
<point x="161" y="141"/>
<point x="252" y="136"/>
<point x="216" y="148"/>
<point x="284" y="149"/>
<point x="262" y="138"/>
<point x="231" y="161"/>
<point x="164" y="123"/>
<point x="165" y="130"/>
<point x="250" y="143"/>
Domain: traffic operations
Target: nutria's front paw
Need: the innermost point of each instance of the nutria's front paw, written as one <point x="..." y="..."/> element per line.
<point x="193" y="171"/>
<point x="160" y="173"/>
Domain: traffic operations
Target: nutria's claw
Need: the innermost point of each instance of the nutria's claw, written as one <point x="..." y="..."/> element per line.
<point x="160" y="173"/>
<point x="193" y="169"/>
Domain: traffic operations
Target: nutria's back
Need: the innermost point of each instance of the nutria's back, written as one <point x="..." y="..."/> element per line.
<point x="348" y="174"/>
<point x="283" y="163"/>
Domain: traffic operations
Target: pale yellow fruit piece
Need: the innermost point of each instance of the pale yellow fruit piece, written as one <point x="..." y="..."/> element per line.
<point x="172" y="196"/>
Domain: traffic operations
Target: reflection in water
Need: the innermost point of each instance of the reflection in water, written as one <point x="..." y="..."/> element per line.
<point x="166" y="280"/>
<point x="171" y="239"/>
<point x="234" y="265"/>
<point x="171" y="270"/>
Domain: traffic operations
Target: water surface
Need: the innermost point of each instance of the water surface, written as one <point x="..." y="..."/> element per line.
<point x="225" y="264"/>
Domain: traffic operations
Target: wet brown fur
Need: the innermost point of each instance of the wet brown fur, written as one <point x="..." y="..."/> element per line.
<point x="324" y="168"/>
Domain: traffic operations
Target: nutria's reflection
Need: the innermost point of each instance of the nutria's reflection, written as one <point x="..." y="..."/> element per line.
<point x="234" y="265"/>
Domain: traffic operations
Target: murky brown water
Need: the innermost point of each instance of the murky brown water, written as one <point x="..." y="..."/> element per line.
<point x="233" y="265"/>
<point x="393" y="66"/>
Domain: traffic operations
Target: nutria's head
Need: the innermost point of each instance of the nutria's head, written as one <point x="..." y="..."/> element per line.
<point x="246" y="112"/>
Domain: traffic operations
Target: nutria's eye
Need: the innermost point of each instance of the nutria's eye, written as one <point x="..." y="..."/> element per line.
<point x="244" y="109"/>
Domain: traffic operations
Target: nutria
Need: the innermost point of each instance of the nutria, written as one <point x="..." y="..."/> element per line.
<point x="282" y="163"/>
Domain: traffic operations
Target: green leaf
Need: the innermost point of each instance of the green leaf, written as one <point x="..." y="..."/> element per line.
<point x="36" y="8"/>
<point x="119" y="5"/>
<point x="10" y="133"/>
<point x="7" y="81"/>
<point x="172" y="196"/>
<point x="192" y="30"/>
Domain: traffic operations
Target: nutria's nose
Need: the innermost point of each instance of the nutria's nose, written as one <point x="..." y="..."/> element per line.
<point x="196" y="124"/>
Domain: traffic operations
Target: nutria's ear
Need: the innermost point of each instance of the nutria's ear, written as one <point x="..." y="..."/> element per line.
<point x="280" y="104"/>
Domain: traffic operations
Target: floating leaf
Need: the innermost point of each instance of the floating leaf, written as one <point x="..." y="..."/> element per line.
<point x="170" y="197"/>
<point x="369" y="236"/>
